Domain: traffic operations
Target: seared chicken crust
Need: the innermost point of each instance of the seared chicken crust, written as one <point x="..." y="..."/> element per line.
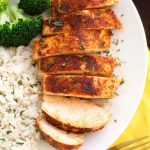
<point x="63" y="7"/>
<point x="86" y="19"/>
<point x="92" y="41"/>
<point x="80" y="86"/>
<point x="78" y="64"/>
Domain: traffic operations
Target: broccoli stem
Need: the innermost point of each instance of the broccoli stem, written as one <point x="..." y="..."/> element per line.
<point x="4" y="17"/>
<point x="17" y="13"/>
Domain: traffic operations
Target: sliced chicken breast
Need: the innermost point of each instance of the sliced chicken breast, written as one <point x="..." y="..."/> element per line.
<point x="58" y="138"/>
<point x="92" y="41"/>
<point x="78" y="64"/>
<point x="80" y="86"/>
<point x="86" y="19"/>
<point x="63" y="7"/>
<point x="73" y="114"/>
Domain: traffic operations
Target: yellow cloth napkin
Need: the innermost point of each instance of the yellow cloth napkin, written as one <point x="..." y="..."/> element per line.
<point x="140" y="125"/>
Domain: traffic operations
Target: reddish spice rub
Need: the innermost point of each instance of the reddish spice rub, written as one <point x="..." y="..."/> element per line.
<point x="80" y="86"/>
<point x="73" y="42"/>
<point x="78" y="64"/>
<point x="86" y="19"/>
<point x="62" y="7"/>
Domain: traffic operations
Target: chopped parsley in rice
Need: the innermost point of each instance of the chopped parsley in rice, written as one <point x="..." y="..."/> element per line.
<point x="20" y="100"/>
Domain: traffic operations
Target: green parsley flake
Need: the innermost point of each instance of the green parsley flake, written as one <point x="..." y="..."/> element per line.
<point x="66" y="58"/>
<point x="2" y="139"/>
<point x="104" y="43"/>
<point x="122" y="82"/>
<point x="21" y="112"/>
<point x="19" y="143"/>
<point x="116" y="94"/>
<point x="34" y="64"/>
<point x="115" y="121"/>
<point x="58" y="23"/>
<point x="9" y="132"/>
<point x="51" y="63"/>
<point x="20" y="82"/>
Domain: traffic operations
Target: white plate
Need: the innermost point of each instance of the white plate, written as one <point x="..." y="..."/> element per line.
<point x="133" y="51"/>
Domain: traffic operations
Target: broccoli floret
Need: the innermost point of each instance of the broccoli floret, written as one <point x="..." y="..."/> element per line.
<point x="21" y="30"/>
<point x="5" y="35"/>
<point x="3" y="5"/>
<point x="25" y="30"/>
<point x="34" y="7"/>
<point x="4" y="26"/>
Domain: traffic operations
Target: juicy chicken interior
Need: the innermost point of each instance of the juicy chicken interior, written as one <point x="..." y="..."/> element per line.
<point x="73" y="114"/>
<point x="58" y="138"/>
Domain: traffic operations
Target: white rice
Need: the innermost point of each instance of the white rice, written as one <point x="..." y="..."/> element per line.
<point x="20" y="98"/>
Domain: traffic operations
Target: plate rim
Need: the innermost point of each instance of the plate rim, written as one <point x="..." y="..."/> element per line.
<point x="144" y="73"/>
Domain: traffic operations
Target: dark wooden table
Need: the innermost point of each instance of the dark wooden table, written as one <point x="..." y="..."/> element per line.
<point x="143" y="7"/>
